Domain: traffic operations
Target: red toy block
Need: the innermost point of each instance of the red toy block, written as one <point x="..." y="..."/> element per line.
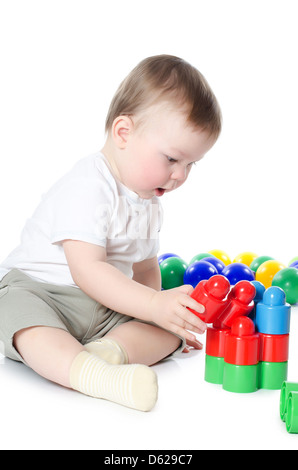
<point x="242" y="343"/>
<point x="215" y="341"/>
<point x="240" y="303"/>
<point x="274" y="348"/>
<point x="211" y="293"/>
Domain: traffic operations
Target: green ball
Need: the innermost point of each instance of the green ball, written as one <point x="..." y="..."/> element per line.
<point x="172" y="271"/>
<point x="200" y="256"/>
<point x="287" y="280"/>
<point x="258" y="261"/>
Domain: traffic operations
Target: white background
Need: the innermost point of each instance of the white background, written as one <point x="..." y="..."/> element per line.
<point x="61" y="62"/>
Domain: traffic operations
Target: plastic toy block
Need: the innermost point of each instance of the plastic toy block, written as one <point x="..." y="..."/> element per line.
<point x="240" y="303"/>
<point x="286" y="388"/>
<point x="273" y="313"/>
<point x="260" y="289"/>
<point x="292" y="413"/>
<point x="274" y="348"/>
<point x="215" y="341"/>
<point x="211" y="293"/>
<point x="240" y="379"/>
<point x="272" y="374"/>
<point x="214" y="367"/>
<point x="242" y="343"/>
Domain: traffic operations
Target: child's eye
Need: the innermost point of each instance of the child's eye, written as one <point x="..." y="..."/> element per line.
<point x="171" y="160"/>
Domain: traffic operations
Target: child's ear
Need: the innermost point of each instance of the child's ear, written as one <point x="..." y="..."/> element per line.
<point x="121" y="129"/>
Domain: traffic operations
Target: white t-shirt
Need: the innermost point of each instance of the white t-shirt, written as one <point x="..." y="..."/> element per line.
<point x="91" y="205"/>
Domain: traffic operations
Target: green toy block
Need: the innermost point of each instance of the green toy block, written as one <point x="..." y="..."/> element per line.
<point x="272" y="375"/>
<point x="292" y="413"/>
<point x="286" y="388"/>
<point x="240" y="379"/>
<point x="214" y="369"/>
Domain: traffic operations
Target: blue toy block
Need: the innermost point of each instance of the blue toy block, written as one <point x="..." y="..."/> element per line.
<point x="273" y="313"/>
<point x="260" y="290"/>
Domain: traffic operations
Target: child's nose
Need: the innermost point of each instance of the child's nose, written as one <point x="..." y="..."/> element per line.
<point x="179" y="173"/>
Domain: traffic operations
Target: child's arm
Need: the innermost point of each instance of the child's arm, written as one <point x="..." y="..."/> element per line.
<point x="110" y="287"/>
<point x="147" y="272"/>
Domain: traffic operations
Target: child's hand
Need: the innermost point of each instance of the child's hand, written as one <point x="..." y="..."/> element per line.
<point x="192" y="344"/>
<point x="168" y="309"/>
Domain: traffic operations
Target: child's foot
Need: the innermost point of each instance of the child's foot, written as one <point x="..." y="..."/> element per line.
<point x="132" y="385"/>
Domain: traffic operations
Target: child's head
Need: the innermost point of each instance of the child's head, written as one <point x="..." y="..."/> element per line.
<point x="169" y="79"/>
<point x="164" y="112"/>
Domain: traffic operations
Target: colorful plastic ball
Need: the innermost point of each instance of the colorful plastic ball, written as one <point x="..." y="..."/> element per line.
<point x="161" y="258"/>
<point x="222" y="255"/>
<point x="217" y="263"/>
<point x="256" y="263"/>
<point x="200" y="256"/>
<point x="294" y="265"/>
<point x="198" y="271"/>
<point x="245" y="258"/>
<point x="287" y="280"/>
<point x="236" y="272"/>
<point x="266" y="272"/>
<point x="172" y="271"/>
<point x="293" y="259"/>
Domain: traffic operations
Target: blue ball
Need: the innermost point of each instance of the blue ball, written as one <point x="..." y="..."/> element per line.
<point x="198" y="271"/>
<point x="217" y="263"/>
<point x="294" y="264"/>
<point x="236" y="272"/>
<point x="161" y="258"/>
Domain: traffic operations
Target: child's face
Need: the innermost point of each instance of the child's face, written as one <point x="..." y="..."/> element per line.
<point x="158" y="157"/>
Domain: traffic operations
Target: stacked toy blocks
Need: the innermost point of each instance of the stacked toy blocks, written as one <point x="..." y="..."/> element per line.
<point x="273" y="325"/>
<point x="241" y="354"/>
<point x="289" y="406"/>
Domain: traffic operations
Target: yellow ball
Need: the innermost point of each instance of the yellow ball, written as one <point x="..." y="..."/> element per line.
<point x="245" y="258"/>
<point x="219" y="254"/>
<point x="266" y="272"/>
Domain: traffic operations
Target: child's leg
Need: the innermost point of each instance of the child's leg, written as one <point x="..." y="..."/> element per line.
<point x="48" y="351"/>
<point x="144" y="343"/>
<point x="54" y="354"/>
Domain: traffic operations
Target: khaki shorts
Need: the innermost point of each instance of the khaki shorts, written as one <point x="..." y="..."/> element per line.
<point x="25" y="303"/>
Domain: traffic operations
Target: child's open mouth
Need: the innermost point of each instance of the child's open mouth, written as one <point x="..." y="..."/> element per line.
<point x="159" y="192"/>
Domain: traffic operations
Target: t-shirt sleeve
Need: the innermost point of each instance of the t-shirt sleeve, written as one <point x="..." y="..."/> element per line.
<point x="81" y="209"/>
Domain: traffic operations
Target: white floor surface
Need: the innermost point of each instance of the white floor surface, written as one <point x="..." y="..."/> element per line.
<point x="190" y="413"/>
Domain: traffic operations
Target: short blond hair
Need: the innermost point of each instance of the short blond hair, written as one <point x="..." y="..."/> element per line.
<point x="172" y="79"/>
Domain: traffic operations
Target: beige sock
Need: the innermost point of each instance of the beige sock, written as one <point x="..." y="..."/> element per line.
<point x="132" y="385"/>
<point x="108" y="350"/>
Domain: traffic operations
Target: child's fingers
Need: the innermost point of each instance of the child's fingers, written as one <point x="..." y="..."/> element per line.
<point x="194" y="305"/>
<point x="191" y="321"/>
<point x="194" y="344"/>
<point x="182" y="332"/>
